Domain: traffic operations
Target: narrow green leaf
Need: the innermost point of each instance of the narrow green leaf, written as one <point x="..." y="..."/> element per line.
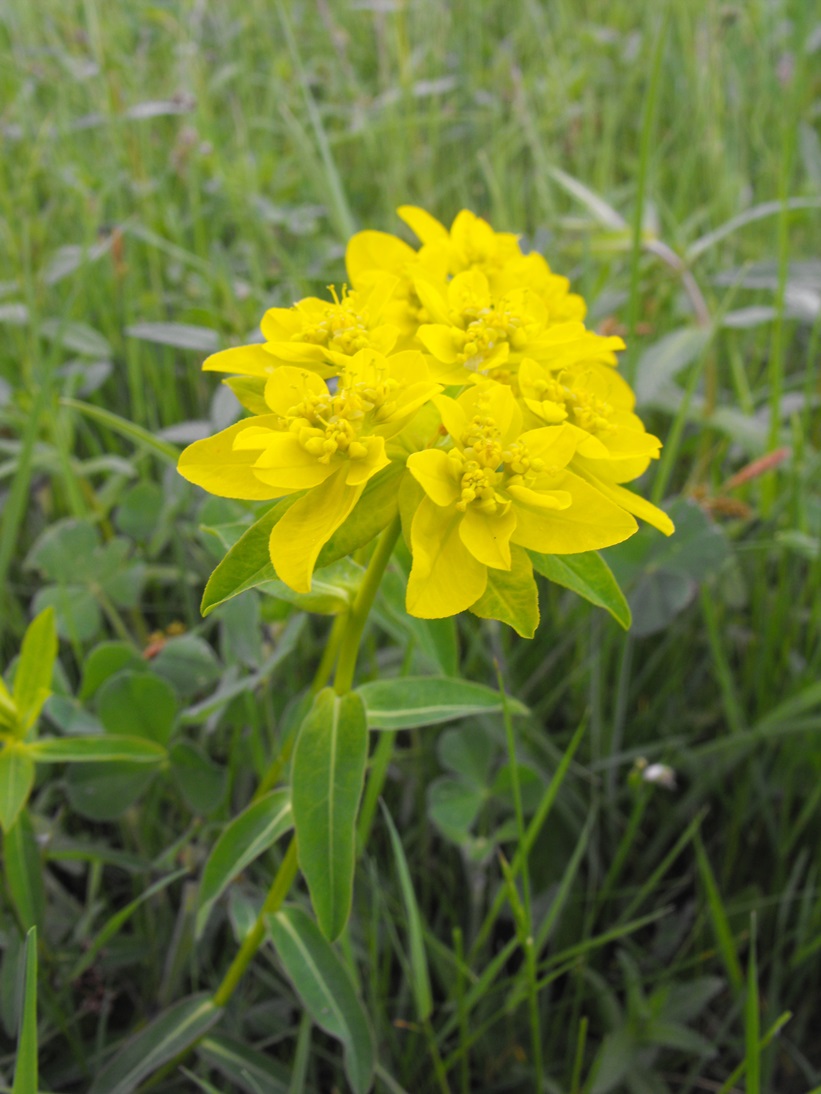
<point x="752" y="1021"/>
<point x="32" y="678"/>
<point x="327" y="776"/>
<point x="718" y="917"/>
<point x="132" y="432"/>
<point x="247" y="1068"/>
<point x="408" y="702"/>
<point x="420" y="978"/>
<point x="589" y="576"/>
<point x="178" y="335"/>
<point x="8" y="711"/>
<point x="511" y="596"/>
<point x="115" y="923"/>
<point x="24" y="877"/>
<point x="244" y="839"/>
<point x="97" y="749"/>
<point x="16" y="781"/>
<point x="171" y="1032"/>
<point x="25" y="1067"/>
<point x="324" y="985"/>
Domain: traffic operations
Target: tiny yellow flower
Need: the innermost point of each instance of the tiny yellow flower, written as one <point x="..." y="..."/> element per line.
<point x="495" y="486"/>
<point x="475" y="333"/>
<point x="616" y="447"/>
<point x="328" y="441"/>
<point x="318" y="334"/>
<point x="471" y="243"/>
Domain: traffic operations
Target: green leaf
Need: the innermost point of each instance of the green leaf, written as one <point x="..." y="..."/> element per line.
<point x="661" y="362"/>
<point x="8" y="711"/>
<point x="468" y="751"/>
<point x="248" y="562"/>
<point x="246" y="837"/>
<point x="324" y="985"/>
<point x="79" y="337"/>
<point x="511" y="596"/>
<point x="202" y="782"/>
<point x="588" y="575"/>
<point x="408" y="702"/>
<point x="332" y="589"/>
<point x="453" y="805"/>
<point x="65" y="549"/>
<point x="170" y="1033"/>
<point x="24" y="877"/>
<point x="245" y="1067"/>
<point x="76" y="613"/>
<point x="420" y="978"/>
<point x="178" y="335"/>
<point x="104" y="661"/>
<point x="103" y="791"/>
<point x="16" y="781"/>
<point x="32" y="677"/>
<point x="189" y="664"/>
<point x="137" y="704"/>
<point x="102" y="748"/>
<point x="327" y="775"/>
<point x="25" y="1066"/>
<point x="139" y="510"/>
<point x="144" y="438"/>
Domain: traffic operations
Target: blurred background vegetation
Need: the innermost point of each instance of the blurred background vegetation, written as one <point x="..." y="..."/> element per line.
<point x="170" y="170"/>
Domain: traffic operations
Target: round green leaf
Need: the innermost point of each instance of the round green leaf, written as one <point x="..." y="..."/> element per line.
<point x="137" y="704"/>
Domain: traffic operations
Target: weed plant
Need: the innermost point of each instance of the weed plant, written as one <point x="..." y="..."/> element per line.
<point x="170" y="171"/>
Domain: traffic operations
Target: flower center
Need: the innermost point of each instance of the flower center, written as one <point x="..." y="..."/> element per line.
<point x="341" y="328"/>
<point x="335" y="422"/>
<point x="481" y="329"/>
<point x="488" y="465"/>
<point x="591" y="413"/>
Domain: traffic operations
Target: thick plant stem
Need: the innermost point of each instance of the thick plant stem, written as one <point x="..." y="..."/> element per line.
<point x="355" y="623"/>
<point x="272" y="775"/>
<point x="276" y="895"/>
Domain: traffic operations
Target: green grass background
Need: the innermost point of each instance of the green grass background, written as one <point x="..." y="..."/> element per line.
<point x="194" y="163"/>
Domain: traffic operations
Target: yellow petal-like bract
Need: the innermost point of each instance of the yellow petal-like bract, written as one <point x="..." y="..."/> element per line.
<point x="468" y="363"/>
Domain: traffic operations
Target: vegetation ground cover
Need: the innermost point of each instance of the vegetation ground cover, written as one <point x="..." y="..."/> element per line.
<point x="172" y="170"/>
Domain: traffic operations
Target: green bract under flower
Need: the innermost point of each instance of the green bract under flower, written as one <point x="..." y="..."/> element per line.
<point x="527" y="451"/>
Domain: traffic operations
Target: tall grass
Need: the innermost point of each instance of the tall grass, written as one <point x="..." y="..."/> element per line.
<point x="190" y="164"/>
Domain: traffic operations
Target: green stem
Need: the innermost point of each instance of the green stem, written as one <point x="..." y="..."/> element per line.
<point x="358" y="615"/>
<point x="382" y="756"/>
<point x="323" y="671"/>
<point x="280" y="887"/>
<point x="527" y="933"/>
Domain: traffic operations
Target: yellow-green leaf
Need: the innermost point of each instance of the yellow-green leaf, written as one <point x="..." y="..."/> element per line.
<point x="32" y="678"/>
<point x="16" y="780"/>
<point x="511" y="596"/>
<point x="588" y="575"/>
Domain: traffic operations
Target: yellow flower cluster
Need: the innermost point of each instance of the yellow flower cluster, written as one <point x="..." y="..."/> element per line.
<point x="469" y="364"/>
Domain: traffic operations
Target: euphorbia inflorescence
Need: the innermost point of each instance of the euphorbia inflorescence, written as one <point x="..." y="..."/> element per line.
<point x="463" y="373"/>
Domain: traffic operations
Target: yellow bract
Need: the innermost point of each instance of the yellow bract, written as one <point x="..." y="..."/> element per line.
<point x="528" y="450"/>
